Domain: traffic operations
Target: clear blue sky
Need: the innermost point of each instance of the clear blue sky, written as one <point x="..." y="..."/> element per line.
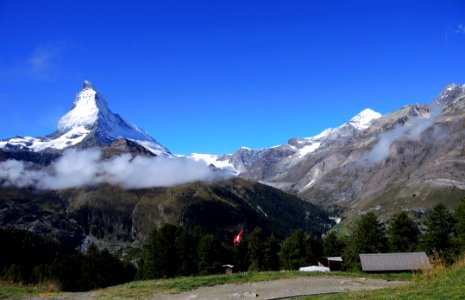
<point x="211" y="76"/>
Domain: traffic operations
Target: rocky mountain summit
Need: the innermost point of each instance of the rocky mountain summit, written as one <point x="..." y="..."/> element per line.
<point x="89" y="123"/>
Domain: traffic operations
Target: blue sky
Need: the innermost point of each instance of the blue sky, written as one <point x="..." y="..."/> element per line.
<point x="211" y="76"/>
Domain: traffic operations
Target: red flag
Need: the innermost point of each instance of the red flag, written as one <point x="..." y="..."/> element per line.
<point x="237" y="238"/>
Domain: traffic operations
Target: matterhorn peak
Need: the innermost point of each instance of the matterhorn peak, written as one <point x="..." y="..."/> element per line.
<point x="89" y="106"/>
<point x="90" y="114"/>
<point x="87" y="85"/>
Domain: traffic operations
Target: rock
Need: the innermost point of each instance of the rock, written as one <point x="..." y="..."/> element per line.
<point x="250" y="295"/>
<point x="235" y="296"/>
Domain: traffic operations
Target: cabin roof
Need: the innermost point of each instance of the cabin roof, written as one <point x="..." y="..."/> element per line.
<point x="408" y="261"/>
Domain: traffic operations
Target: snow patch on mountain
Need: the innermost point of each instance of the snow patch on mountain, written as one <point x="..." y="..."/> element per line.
<point x="296" y="149"/>
<point x="68" y="139"/>
<point x="360" y="122"/>
<point x="215" y="160"/>
<point x="363" y="120"/>
<point x="308" y="149"/>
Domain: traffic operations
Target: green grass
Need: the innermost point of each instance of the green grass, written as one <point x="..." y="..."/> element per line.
<point x="146" y="288"/>
<point x="442" y="283"/>
<point x="142" y="289"/>
<point x="8" y="290"/>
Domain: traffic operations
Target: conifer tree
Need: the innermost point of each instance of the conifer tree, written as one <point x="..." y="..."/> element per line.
<point x="369" y="235"/>
<point x="256" y="249"/>
<point x="298" y="250"/>
<point x="332" y="245"/>
<point x="403" y="233"/>
<point x="209" y="255"/>
<point x="459" y="216"/>
<point x="439" y="226"/>
<point x="241" y="256"/>
<point x="271" y="258"/>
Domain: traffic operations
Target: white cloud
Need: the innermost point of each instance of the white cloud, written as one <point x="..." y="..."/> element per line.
<point x="460" y="29"/>
<point x="85" y="168"/>
<point x="42" y="63"/>
<point x="16" y="173"/>
<point x="74" y="168"/>
<point x="412" y="130"/>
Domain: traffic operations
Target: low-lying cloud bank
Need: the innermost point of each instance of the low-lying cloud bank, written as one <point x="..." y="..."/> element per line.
<point x="85" y="168"/>
<point x="412" y="130"/>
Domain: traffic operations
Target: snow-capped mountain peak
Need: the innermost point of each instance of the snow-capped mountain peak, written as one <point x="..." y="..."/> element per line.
<point x="86" y="109"/>
<point x="89" y="118"/>
<point x="363" y="120"/>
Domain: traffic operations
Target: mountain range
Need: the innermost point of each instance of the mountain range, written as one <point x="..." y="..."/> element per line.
<point x="409" y="159"/>
<point x="100" y="179"/>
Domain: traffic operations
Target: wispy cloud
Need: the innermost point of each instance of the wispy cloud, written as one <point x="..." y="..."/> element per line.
<point x="460" y="29"/>
<point x="42" y="63"/>
<point x="86" y="168"/>
<point x="412" y="130"/>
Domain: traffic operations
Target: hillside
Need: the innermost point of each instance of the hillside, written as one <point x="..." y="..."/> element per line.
<point x="112" y="216"/>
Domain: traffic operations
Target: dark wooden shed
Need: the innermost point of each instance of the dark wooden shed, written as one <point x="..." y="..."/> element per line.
<point x="228" y="269"/>
<point x="334" y="263"/>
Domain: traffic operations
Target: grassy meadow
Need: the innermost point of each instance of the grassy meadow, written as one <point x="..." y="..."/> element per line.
<point x="439" y="283"/>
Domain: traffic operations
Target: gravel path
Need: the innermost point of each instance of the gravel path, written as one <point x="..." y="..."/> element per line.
<point x="282" y="288"/>
<point x="275" y="289"/>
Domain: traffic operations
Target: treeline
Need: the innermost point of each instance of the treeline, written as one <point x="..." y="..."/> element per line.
<point x="441" y="233"/>
<point x="29" y="258"/>
<point x="175" y="251"/>
<point x="172" y="251"/>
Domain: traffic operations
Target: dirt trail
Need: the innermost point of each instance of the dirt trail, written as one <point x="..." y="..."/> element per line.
<point x="282" y="288"/>
<point x="261" y="290"/>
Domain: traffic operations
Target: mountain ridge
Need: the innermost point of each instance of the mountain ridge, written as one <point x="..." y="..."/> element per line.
<point x="415" y="150"/>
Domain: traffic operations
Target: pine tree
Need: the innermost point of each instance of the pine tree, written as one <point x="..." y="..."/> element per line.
<point x="332" y="245"/>
<point x="313" y="249"/>
<point x="241" y="256"/>
<point x="459" y="216"/>
<point x="403" y="234"/>
<point x="369" y="236"/>
<point x="293" y="253"/>
<point x="209" y="255"/>
<point x="271" y="258"/>
<point x="160" y="255"/>
<point x="185" y="251"/>
<point x="256" y="250"/>
<point x="439" y="226"/>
